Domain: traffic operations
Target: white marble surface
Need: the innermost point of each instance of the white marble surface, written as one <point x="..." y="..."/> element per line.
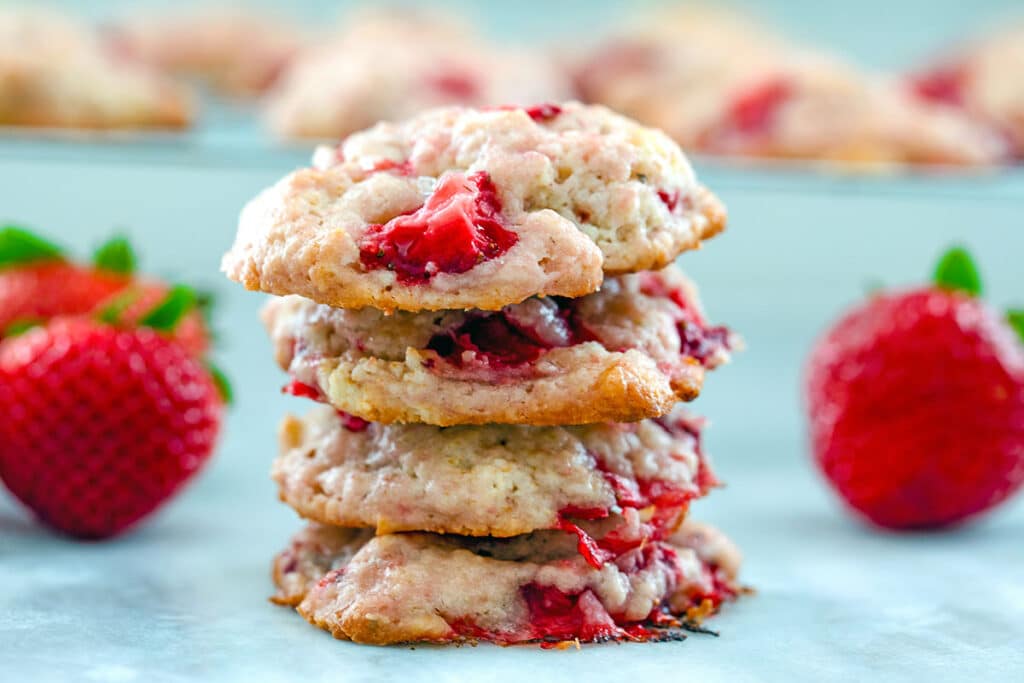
<point x="184" y="598"/>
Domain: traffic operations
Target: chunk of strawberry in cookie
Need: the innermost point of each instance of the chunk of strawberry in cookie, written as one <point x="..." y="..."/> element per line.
<point x="458" y="227"/>
<point x="944" y="84"/>
<point x="753" y="111"/>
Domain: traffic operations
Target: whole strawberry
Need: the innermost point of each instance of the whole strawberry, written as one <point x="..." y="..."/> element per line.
<point x="101" y="423"/>
<point x="916" y="403"/>
<point x="38" y="282"/>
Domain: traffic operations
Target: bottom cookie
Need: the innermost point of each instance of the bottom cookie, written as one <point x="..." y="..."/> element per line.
<point x="422" y="587"/>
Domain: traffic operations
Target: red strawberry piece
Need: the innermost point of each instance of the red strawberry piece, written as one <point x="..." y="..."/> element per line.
<point x="543" y="112"/>
<point x="944" y="84"/>
<point x="403" y="168"/>
<point x="754" y="110"/>
<point x="916" y="403"/>
<point x="101" y="424"/>
<point x="458" y="227"/>
<point x="454" y="84"/>
<point x="750" y="116"/>
<point x="353" y="423"/>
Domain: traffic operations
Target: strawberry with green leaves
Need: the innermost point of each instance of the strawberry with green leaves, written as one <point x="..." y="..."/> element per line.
<point x="916" y="402"/>
<point x="108" y="405"/>
<point x="38" y="282"/>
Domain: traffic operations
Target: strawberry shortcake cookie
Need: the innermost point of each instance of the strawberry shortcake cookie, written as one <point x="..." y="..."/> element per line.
<point x="469" y="208"/>
<point x="613" y="485"/>
<point x="810" y="107"/>
<point x="627" y="352"/>
<point x="485" y="302"/>
<point x="239" y="53"/>
<point x="422" y="587"/>
<point x="55" y="73"/>
<point x="722" y="85"/>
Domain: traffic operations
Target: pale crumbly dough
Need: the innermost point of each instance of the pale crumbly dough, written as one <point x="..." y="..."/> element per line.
<point x="59" y="74"/>
<point x="237" y="52"/>
<point x="496" y="480"/>
<point x="379" y="366"/>
<point x="313" y="552"/>
<point x="685" y="72"/>
<point x="588" y="193"/>
<point x="421" y="587"/>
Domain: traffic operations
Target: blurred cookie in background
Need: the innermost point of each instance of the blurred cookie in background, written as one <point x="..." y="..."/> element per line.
<point x="379" y="24"/>
<point x="672" y="68"/>
<point x="57" y="73"/>
<point x="233" y="51"/>
<point x="668" y="58"/>
<point x="385" y="65"/>
<point x="985" y="79"/>
<point x="723" y="84"/>
<point x="812" y="107"/>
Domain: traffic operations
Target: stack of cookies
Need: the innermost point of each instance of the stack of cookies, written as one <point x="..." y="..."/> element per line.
<point x="484" y="303"/>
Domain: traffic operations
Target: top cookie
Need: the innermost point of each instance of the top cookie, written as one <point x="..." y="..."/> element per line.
<point x="469" y="208"/>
